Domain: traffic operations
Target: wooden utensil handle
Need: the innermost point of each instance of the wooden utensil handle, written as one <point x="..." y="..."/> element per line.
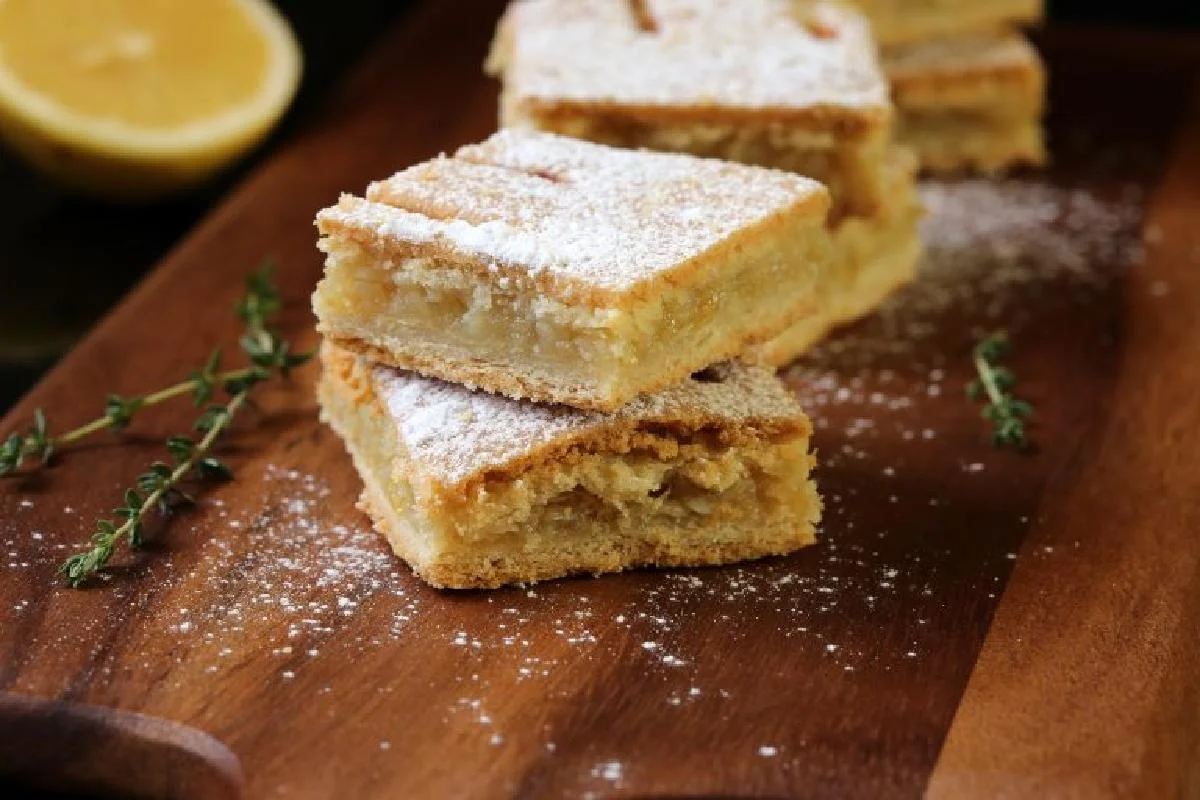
<point x="50" y="746"/>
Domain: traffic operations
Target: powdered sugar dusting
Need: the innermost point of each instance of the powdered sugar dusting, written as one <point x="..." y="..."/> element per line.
<point x="455" y="432"/>
<point x="993" y="248"/>
<point x="274" y="580"/>
<point x="599" y="218"/>
<point x="739" y="55"/>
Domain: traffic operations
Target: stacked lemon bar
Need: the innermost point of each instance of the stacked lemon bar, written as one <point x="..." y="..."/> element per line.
<point x="527" y="350"/>
<point x="775" y="83"/>
<point x="968" y="85"/>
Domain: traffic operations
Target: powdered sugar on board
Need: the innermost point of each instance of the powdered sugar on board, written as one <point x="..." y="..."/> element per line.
<point x="994" y="249"/>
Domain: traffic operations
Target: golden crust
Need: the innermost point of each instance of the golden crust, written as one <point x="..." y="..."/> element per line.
<point x="493" y="570"/>
<point x="586" y="223"/>
<point x="815" y="70"/>
<point x="999" y="74"/>
<point x="480" y="436"/>
<point x="826" y="119"/>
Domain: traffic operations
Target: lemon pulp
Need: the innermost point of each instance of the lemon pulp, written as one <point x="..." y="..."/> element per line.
<point x="138" y="97"/>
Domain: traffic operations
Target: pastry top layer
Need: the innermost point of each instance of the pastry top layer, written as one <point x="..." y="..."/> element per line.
<point x="910" y="21"/>
<point x="453" y="435"/>
<point x="589" y="218"/>
<point x="955" y="69"/>
<point x="699" y="60"/>
<point x="960" y="56"/>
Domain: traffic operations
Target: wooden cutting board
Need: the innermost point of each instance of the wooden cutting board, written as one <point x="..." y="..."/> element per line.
<point x="973" y="622"/>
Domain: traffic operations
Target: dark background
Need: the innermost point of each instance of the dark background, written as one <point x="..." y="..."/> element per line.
<point x="1127" y="12"/>
<point x="66" y="260"/>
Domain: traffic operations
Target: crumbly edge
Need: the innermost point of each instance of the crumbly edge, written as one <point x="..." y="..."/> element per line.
<point x="492" y="570"/>
<point x="495" y="564"/>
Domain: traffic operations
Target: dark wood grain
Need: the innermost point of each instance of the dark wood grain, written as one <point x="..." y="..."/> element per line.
<point x="1088" y="684"/>
<point x="272" y="619"/>
<point x="47" y="746"/>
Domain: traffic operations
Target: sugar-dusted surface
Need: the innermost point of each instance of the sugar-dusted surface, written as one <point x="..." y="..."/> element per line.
<point x="597" y="216"/>
<point x="454" y="433"/>
<point x="732" y="55"/>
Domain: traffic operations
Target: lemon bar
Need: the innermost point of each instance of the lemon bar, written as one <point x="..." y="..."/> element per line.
<point x="910" y="21"/>
<point x="971" y="102"/>
<point x="762" y="82"/>
<point x="556" y="270"/>
<point x="476" y="490"/>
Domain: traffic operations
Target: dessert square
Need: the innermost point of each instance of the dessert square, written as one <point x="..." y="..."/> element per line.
<point x="476" y="490"/>
<point x="562" y="271"/>
<point x="872" y="257"/>
<point x="970" y="102"/>
<point x="909" y="21"/>
<point x="763" y="82"/>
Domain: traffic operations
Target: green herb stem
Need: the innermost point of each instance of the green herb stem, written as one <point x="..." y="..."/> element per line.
<point x="988" y="378"/>
<point x="159" y="486"/>
<point x="79" y="568"/>
<point x="1005" y="411"/>
<point x="145" y="401"/>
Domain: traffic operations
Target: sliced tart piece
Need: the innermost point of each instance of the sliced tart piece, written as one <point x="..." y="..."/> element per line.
<point x="767" y="82"/>
<point x="476" y="490"/>
<point x="557" y="270"/>
<point x="972" y="102"/>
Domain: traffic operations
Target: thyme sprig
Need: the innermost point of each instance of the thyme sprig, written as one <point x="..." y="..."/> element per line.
<point x="1004" y="410"/>
<point x="37" y="444"/>
<point x="160" y="486"/>
<point x="160" y="483"/>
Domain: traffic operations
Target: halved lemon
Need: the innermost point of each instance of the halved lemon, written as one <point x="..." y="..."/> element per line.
<point x="134" y="99"/>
